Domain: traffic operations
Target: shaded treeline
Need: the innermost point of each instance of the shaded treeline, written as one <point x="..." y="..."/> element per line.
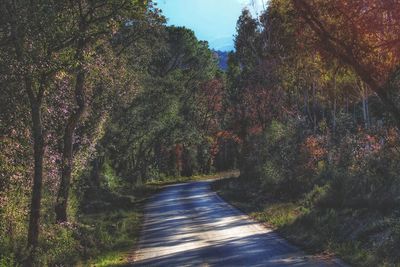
<point x="313" y="89"/>
<point x="313" y="96"/>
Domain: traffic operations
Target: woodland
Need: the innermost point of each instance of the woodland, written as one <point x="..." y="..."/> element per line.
<point x="101" y="100"/>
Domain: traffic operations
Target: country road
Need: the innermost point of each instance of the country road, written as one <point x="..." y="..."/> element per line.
<point x="189" y="225"/>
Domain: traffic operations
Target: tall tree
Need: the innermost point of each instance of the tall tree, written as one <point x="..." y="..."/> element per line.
<point x="93" y="24"/>
<point x="30" y="37"/>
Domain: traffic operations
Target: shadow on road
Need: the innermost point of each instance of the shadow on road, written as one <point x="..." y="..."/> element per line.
<point x="189" y="225"/>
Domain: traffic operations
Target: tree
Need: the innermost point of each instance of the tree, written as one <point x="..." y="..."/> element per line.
<point x="93" y="23"/>
<point x="29" y="36"/>
<point x="156" y="132"/>
<point x="362" y="34"/>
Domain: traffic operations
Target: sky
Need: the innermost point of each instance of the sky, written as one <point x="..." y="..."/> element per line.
<point x="211" y="20"/>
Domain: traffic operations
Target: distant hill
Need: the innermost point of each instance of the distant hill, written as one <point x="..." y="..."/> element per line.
<point x="222" y="58"/>
<point x="222" y="43"/>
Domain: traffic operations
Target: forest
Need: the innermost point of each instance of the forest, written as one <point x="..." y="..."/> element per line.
<point x="101" y="100"/>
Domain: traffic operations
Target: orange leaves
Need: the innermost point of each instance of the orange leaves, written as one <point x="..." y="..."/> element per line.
<point x="209" y="103"/>
<point x="362" y="33"/>
<point x="228" y="136"/>
<point x="260" y="105"/>
<point x="392" y="137"/>
<point x="367" y="145"/>
<point x="315" y="149"/>
<point x="178" y="150"/>
<point x="212" y="94"/>
<point x="220" y="138"/>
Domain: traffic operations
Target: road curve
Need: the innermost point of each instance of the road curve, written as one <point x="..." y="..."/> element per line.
<point x="189" y="225"/>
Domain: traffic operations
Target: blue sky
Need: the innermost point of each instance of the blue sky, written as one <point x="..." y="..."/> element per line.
<point x="211" y="20"/>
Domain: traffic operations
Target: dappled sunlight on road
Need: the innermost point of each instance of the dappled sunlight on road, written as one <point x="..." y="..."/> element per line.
<point x="189" y="225"/>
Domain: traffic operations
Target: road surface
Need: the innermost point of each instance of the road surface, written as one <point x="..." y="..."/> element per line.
<point x="189" y="225"/>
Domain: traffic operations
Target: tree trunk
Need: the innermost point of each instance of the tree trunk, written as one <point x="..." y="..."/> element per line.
<point x="365" y="106"/>
<point x="38" y="152"/>
<point x="367" y="111"/>
<point x="187" y="166"/>
<point x="158" y="156"/>
<point x="334" y="101"/>
<point x="73" y="120"/>
<point x="364" y="101"/>
<point x="243" y="135"/>
<point x="364" y="109"/>
<point x="67" y="156"/>
<point x="226" y="155"/>
<point x="314" y="108"/>
<point x="35" y="102"/>
<point x="97" y="164"/>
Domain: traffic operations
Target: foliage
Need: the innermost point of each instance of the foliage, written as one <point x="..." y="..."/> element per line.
<point x="101" y="98"/>
<point x="311" y="92"/>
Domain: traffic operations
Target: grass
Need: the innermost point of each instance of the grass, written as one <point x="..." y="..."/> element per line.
<point x="114" y="234"/>
<point x="359" y="237"/>
<point x="199" y="177"/>
<point x="111" y="259"/>
<point x="277" y="214"/>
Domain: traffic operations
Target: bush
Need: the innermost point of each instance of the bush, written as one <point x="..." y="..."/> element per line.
<point x="59" y="245"/>
<point x="348" y="168"/>
<point x="8" y="260"/>
<point x="316" y="197"/>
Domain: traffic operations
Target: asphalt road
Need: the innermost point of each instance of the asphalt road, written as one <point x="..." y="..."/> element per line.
<point x="189" y="225"/>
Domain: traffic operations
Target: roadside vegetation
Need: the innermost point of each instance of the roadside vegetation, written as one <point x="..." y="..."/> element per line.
<point x="112" y="223"/>
<point x="98" y="99"/>
<point x="112" y="227"/>
<point x="360" y="237"/>
<point x="318" y="125"/>
<point x="198" y="177"/>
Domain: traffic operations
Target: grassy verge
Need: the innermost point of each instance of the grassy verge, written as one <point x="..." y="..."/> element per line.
<point x="111" y="234"/>
<point x="175" y="180"/>
<point x="358" y="236"/>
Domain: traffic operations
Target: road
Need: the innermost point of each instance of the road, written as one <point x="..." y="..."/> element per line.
<point x="189" y="225"/>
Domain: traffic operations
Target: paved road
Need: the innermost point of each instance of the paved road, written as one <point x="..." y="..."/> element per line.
<point x="189" y="225"/>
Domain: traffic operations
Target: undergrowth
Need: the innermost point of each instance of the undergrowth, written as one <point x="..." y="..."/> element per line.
<point x="361" y="237"/>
